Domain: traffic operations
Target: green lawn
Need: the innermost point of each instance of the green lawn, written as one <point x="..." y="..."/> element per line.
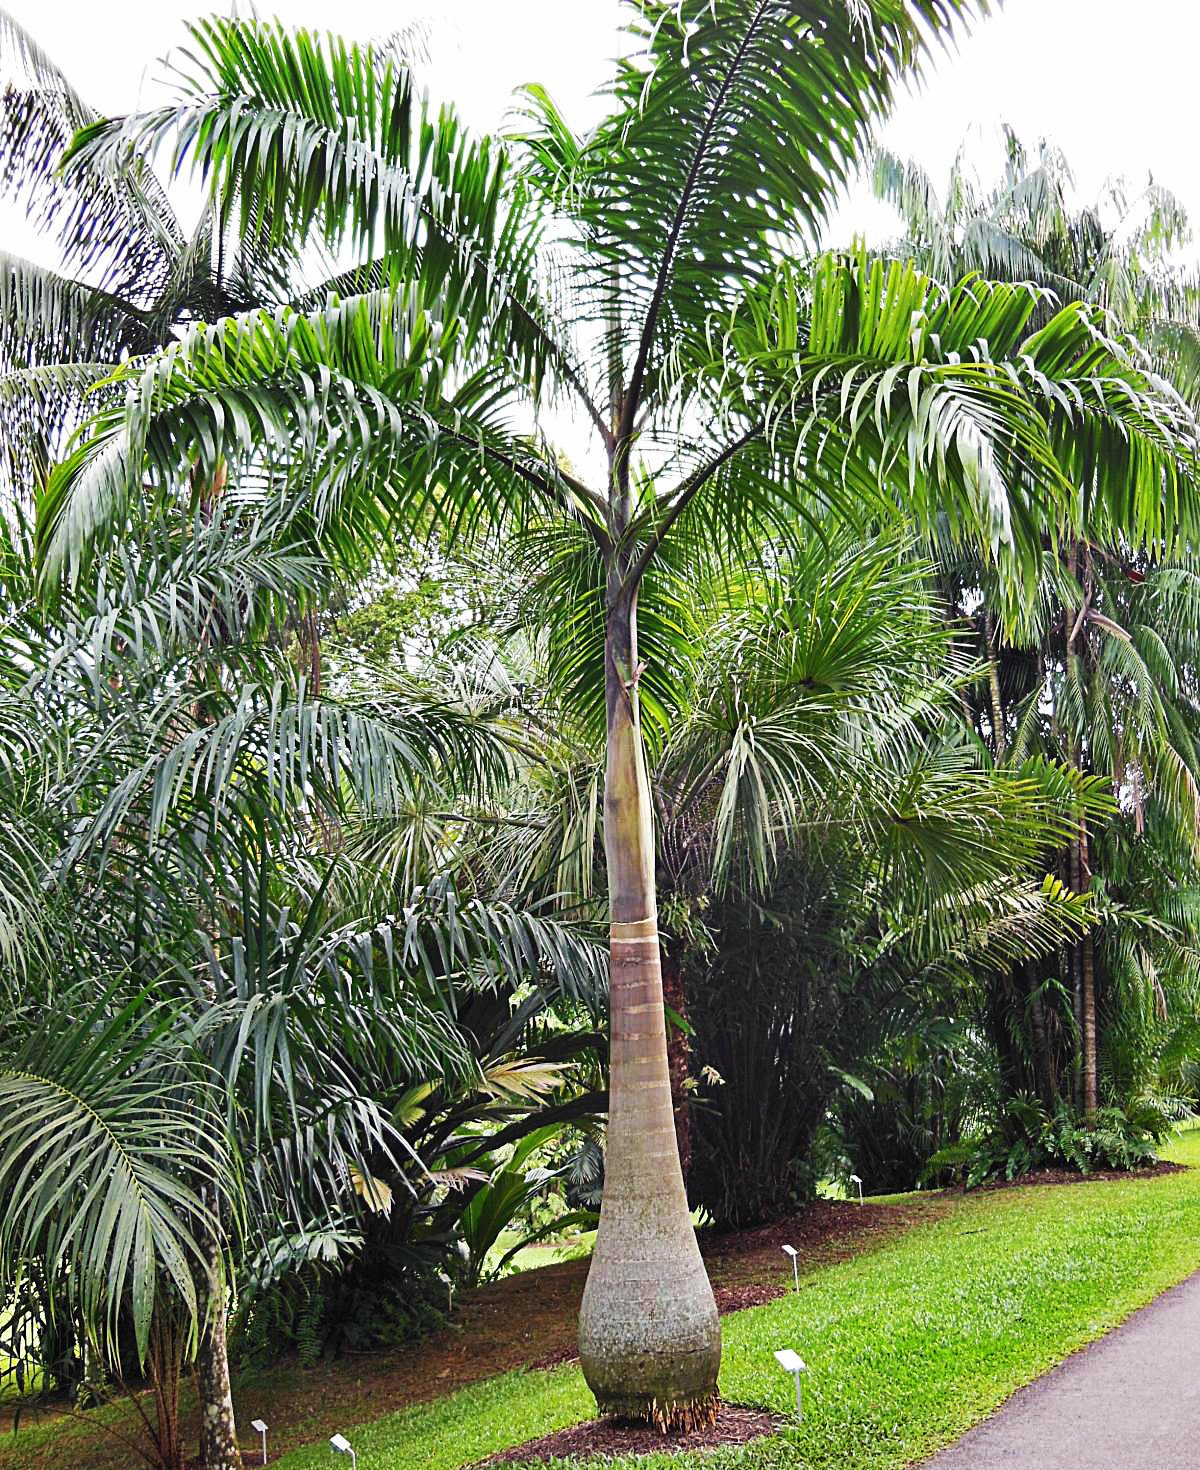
<point x="545" y="1253"/>
<point x="907" y="1346"/>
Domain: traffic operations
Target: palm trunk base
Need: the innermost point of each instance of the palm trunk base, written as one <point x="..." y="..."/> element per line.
<point x="653" y="1362"/>
<point x="676" y="1417"/>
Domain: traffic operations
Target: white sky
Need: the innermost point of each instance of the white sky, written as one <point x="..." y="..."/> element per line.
<point x="1113" y="84"/>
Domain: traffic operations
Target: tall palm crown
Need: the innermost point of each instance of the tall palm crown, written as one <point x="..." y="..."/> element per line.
<point x="1091" y="666"/>
<point x="645" y="274"/>
<point x="1118" y="251"/>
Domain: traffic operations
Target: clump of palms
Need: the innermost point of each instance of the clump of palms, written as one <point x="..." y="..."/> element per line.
<point x="1090" y="668"/>
<point x="651" y="275"/>
<point x="175" y="794"/>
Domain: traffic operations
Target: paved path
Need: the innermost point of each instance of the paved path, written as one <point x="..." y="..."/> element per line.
<point x="1128" y="1402"/>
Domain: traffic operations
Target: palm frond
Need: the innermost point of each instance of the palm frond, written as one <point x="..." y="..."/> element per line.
<point x="732" y="126"/>
<point x="111" y="1140"/>
<point x="114" y="223"/>
<point x="301" y="138"/>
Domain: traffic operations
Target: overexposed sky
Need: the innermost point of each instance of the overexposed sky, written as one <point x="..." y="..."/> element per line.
<point x="1115" y="85"/>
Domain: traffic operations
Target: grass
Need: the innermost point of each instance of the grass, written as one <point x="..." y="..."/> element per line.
<point x="544" y="1253"/>
<point x="908" y="1344"/>
<point x="907" y="1347"/>
<point x="464" y="1427"/>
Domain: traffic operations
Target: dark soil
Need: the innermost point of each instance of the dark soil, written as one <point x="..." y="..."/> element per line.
<point x="1073" y="1176"/>
<point x="751" y="1294"/>
<point x="820" y="1226"/>
<point x="735" y="1425"/>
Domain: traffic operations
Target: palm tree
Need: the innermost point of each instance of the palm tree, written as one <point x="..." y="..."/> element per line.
<point x="248" y="1004"/>
<point x="1096" y="634"/>
<point x="1119" y="252"/>
<point x="647" y="274"/>
<point x="129" y="275"/>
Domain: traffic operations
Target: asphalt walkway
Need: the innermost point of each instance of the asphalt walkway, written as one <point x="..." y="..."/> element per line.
<point x="1128" y="1402"/>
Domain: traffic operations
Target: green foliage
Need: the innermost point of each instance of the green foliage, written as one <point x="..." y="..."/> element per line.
<point x="1089" y="668"/>
<point x="178" y="799"/>
<point x="381" y="628"/>
<point x="823" y="478"/>
<point x="115" y="1160"/>
<point x="323" y="1314"/>
<point x="1109" y="1139"/>
<point x="500" y="1200"/>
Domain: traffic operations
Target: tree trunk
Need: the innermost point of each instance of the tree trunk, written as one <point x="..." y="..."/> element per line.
<point x="1073" y="956"/>
<point x="164" y="1366"/>
<point x="1084" y="955"/>
<point x="1089" y="1098"/>
<point x="1047" y="1081"/>
<point x="1001" y="1004"/>
<point x="308" y="633"/>
<point x="998" y="734"/>
<point x="649" y="1337"/>
<point x="218" y="1429"/>
<point x="679" y="1053"/>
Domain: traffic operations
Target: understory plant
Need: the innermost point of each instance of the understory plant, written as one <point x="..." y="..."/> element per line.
<point x="1031" y="1139"/>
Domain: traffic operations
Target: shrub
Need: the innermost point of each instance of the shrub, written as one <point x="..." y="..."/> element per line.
<point x="320" y="1314"/>
<point x="1111" y="1138"/>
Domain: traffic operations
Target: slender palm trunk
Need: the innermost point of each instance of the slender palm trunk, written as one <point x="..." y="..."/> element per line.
<point x="1089" y="1098"/>
<point x="218" y="1429"/>
<point x="1073" y="957"/>
<point x="1087" y="946"/>
<point x="649" y="1338"/>
<point x="165" y="1365"/>
<point x="998" y="733"/>
<point x="1082" y="953"/>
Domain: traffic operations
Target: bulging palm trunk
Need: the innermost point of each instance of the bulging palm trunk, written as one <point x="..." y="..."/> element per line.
<point x="649" y="1337"/>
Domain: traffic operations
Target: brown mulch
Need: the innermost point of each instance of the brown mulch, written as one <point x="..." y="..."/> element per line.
<point x="735" y="1425"/>
<point x="748" y="1294"/>
<point x="821" y="1226"/>
<point x="1073" y="1176"/>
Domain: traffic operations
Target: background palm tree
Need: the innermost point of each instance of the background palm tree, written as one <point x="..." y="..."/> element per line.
<point x="1091" y="667"/>
<point x="812" y="780"/>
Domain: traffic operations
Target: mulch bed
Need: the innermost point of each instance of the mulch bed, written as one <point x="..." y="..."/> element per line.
<point x="735" y="1425"/>
<point x="1072" y="1176"/>
<point x="817" y="1227"/>
<point x="748" y="1294"/>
